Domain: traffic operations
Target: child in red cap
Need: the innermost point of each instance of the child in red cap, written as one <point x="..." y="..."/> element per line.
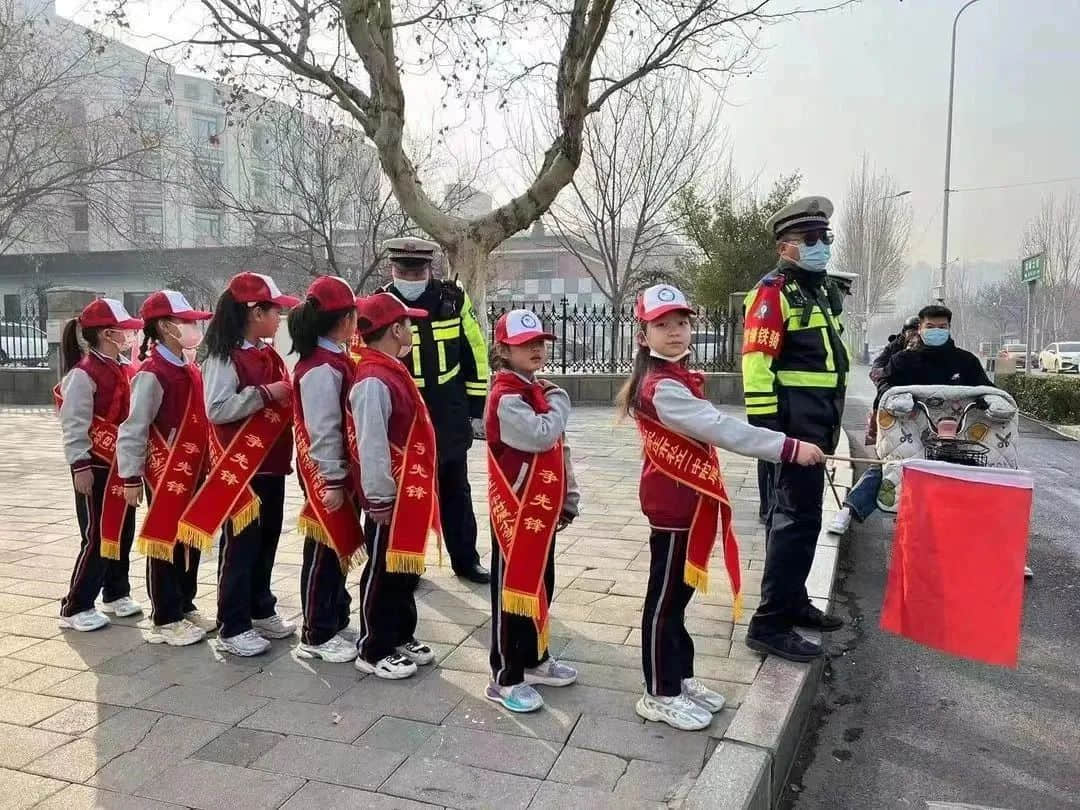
<point x="93" y="398"/>
<point x="531" y="495"/>
<point x="163" y="445"/>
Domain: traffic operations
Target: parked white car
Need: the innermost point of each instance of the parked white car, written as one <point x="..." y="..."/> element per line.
<point x="22" y="345"/>
<point x="1061" y="357"/>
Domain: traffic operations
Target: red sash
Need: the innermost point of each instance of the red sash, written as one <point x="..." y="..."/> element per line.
<point x="114" y="507"/>
<point x="341" y="529"/>
<point x="173" y="475"/>
<point x="416" y="517"/>
<point x="696" y="465"/>
<point x="525" y="530"/>
<point x="226" y="493"/>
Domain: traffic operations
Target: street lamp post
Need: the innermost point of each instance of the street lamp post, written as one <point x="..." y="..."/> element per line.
<point x="948" y="153"/>
<point x="869" y="269"/>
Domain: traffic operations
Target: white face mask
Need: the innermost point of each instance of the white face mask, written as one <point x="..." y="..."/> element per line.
<point x="410" y="290"/>
<point x="128" y="340"/>
<point x="188" y="335"/>
<point x="675" y="359"/>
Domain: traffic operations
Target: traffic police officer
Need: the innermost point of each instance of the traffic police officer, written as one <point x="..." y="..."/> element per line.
<point x="449" y="364"/>
<point x="795" y="369"/>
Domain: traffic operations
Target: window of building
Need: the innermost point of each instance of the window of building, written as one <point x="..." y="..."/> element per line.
<point x="209" y="224"/>
<point x="148" y="221"/>
<point x="210" y="172"/>
<point x="192" y="91"/>
<point x="134" y="300"/>
<point x="207" y="129"/>
<point x="260" y="184"/>
<point x="260" y="140"/>
<point x="537" y="267"/>
<point x="80" y="215"/>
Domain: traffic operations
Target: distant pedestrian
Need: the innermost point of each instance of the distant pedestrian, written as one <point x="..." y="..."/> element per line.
<point x="163" y="445"/>
<point x="684" y="499"/>
<point x="93" y="399"/>
<point x="395" y="448"/>
<point x="532" y="495"/>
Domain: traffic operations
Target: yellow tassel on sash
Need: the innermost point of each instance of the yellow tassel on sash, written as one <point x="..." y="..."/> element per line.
<point x="697" y="578"/>
<point x="246" y="516"/>
<point x="310" y="527"/>
<point x="402" y="562"/>
<point x="520" y="604"/>
<point x="190" y="536"/>
<point x="110" y="551"/>
<point x="158" y="549"/>
<point x="543" y="639"/>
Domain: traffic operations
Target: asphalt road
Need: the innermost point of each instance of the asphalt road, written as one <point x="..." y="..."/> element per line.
<point x="896" y="725"/>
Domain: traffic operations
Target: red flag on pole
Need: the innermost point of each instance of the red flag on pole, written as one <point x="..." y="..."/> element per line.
<point x="956" y="579"/>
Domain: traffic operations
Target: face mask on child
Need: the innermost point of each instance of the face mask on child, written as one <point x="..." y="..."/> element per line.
<point x="128" y="339"/>
<point x="188" y="335"/>
<point x="675" y="359"/>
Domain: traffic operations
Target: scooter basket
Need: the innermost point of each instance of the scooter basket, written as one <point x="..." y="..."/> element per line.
<point x="955" y="451"/>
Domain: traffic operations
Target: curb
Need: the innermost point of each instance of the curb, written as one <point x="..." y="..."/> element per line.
<point x="749" y="767"/>
<point x="1071" y="432"/>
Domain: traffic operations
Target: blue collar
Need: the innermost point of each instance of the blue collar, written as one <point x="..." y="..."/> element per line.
<point x="330" y="346"/>
<point x="165" y="352"/>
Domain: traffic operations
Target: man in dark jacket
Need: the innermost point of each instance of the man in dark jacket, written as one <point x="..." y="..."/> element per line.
<point x="936" y="360"/>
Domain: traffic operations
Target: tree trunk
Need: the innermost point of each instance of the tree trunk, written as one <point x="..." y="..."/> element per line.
<point x="470" y="263"/>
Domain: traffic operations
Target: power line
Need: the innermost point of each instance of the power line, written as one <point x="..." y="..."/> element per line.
<point x="1018" y="185"/>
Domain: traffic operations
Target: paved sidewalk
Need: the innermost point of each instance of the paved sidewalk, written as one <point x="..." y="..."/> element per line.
<point x="106" y="720"/>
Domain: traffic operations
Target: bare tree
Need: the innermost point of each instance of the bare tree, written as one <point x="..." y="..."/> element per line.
<point x="568" y="52"/>
<point x="71" y="145"/>
<point x="1055" y="232"/>
<point x="872" y="241"/>
<point x="639" y="155"/>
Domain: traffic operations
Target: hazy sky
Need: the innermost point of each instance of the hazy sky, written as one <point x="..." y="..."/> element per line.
<point x="874" y="78"/>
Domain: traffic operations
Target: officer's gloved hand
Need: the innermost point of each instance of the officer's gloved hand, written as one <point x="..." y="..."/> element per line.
<point x="478" y="429"/>
<point x="901" y="405"/>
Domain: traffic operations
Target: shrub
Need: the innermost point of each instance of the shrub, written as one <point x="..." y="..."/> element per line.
<point x="1052" y="399"/>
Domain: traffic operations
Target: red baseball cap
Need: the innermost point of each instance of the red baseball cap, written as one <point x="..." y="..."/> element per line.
<point x="332" y="292"/>
<point x="658" y="300"/>
<point x="171" y="304"/>
<point x="108" y="312"/>
<point x="255" y="288"/>
<point x="383" y="309"/>
<point x="519" y="326"/>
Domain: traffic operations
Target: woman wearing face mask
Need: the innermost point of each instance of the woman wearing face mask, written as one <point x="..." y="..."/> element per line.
<point x="164" y="444"/>
<point x="92" y="399"/>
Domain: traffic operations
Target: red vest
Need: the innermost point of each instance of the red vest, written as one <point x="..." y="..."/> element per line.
<point x="514" y="463"/>
<point x="402" y="409"/>
<point x="667" y="504"/>
<point x="320" y="357"/>
<point x="176" y="384"/>
<point x="261" y="366"/>
<point x="112" y="387"/>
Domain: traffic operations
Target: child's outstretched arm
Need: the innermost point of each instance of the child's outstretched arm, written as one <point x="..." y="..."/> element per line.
<point x="699" y="419"/>
<point x="524" y="429"/>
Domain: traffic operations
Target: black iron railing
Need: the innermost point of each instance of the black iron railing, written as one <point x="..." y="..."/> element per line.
<point x="22" y="335"/>
<point x="602" y="339"/>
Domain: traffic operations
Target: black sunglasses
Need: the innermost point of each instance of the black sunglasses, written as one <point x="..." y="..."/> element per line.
<point x="810" y="238"/>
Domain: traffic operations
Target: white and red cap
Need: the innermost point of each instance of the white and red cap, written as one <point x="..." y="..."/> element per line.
<point x="171" y="304"/>
<point x="658" y="300"/>
<point x="108" y="313"/>
<point x="256" y="288"/>
<point x="519" y="326"/>
<point x="383" y="309"/>
<point x="332" y="293"/>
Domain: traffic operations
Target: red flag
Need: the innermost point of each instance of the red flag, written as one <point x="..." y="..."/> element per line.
<point x="956" y="579"/>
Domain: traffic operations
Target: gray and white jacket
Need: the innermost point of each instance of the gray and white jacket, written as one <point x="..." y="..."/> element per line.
<point x="226" y="401"/>
<point x="369" y="402"/>
<point x="77" y="414"/>
<point x="320" y="398"/>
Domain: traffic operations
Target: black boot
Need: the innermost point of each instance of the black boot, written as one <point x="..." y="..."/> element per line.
<point x="813" y="619"/>
<point x="477" y="573"/>
<point x="785" y="644"/>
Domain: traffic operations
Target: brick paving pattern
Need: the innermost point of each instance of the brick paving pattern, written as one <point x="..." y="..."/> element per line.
<point x="104" y="719"/>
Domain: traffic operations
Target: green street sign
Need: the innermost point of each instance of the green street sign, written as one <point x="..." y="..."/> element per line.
<point x="1031" y="268"/>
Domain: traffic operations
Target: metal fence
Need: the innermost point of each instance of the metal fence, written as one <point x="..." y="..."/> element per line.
<point x="601" y="339"/>
<point x="22" y="335"/>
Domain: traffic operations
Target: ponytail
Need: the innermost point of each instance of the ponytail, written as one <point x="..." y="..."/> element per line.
<point x="627" y="398"/>
<point x="226" y="329"/>
<point x="70" y="350"/>
<point x="151" y="334"/>
<point x="308" y="323"/>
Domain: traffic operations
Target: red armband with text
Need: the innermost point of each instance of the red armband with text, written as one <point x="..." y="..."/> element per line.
<point x="764" y="328"/>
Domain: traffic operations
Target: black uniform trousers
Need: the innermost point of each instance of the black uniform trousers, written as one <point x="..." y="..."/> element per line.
<point x="793" y="528"/>
<point x="387" y="600"/>
<point x="323" y="594"/>
<point x="246" y="561"/>
<point x="458" y="518"/>
<point x="93" y="573"/>
<point x="513" y="637"/>
<point x="667" y="650"/>
<point x="765" y="475"/>
<point x="172" y="584"/>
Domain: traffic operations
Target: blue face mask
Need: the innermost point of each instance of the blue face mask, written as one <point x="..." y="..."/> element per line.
<point x="814" y="257"/>
<point x="935" y="336"/>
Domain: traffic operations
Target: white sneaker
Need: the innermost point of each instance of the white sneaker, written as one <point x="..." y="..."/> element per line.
<point x="551" y="673"/>
<point x="393" y="667"/>
<point x="335" y="651"/>
<point x="84" y="622"/>
<point x="124" y="606"/>
<point x="245" y="644"/>
<point x="678" y="712"/>
<point x="702" y="695"/>
<point x="177" y="634"/>
<point x="417" y="652"/>
<point x="199" y="620"/>
<point x="350" y="634"/>
<point x="841" y="522"/>
<point x="273" y="626"/>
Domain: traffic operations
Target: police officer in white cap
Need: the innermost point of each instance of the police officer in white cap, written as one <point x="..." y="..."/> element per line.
<point x="449" y="365"/>
<point x="795" y="367"/>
